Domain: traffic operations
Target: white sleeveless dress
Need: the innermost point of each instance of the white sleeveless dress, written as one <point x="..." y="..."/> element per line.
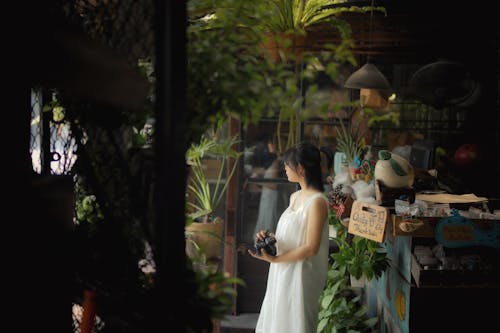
<point x="291" y="301"/>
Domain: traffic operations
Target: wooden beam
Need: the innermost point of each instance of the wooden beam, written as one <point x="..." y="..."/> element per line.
<point x="231" y="221"/>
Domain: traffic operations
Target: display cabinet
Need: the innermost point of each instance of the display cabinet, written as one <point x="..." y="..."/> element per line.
<point x="421" y="294"/>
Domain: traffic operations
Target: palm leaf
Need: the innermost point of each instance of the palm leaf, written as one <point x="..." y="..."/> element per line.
<point x="350" y="142"/>
<point x="206" y="197"/>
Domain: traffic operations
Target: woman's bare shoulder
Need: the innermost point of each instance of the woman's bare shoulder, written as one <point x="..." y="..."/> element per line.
<point x="320" y="201"/>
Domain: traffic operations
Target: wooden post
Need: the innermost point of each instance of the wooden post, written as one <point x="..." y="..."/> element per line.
<point x="231" y="213"/>
<point x="89" y="311"/>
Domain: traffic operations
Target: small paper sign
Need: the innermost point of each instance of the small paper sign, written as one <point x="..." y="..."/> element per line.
<point x="458" y="231"/>
<point x="368" y="221"/>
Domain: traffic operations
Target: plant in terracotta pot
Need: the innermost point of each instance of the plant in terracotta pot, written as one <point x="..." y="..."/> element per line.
<point x="282" y="87"/>
<point x="212" y="296"/>
<point x="205" y="193"/>
<point x="287" y="26"/>
<point x="288" y="22"/>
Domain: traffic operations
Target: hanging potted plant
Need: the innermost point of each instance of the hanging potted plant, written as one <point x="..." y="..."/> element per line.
<point x="287" y="26"/>
<point x="225" y="72"/>
<point x="280" y="28"/>
<point x="286" y="23"/>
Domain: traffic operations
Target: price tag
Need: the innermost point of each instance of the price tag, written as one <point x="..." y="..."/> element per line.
<point x="368" y="221"/>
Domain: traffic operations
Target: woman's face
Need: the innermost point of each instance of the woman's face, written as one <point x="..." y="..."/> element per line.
<point x="292" y="173"/>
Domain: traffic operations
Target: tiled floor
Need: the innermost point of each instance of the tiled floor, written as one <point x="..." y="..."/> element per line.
<point x="242" y="323"/>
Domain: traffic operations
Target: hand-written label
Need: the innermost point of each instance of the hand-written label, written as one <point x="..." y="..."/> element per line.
<point x="368" y="221"/>
<point x="458" y="233"/>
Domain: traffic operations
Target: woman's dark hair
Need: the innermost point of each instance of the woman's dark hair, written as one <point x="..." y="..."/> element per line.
<point x="307" y="155"/>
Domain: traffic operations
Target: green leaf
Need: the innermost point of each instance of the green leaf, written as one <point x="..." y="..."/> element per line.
<point x="326" y="300"/>
<point x="322" y="324"/>
<point x="371" y="322"/>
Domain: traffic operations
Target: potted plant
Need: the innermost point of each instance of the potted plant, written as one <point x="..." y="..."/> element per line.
<point x="226" y="75"/>
<point x="341" y="308"/>
<point x="272" y="88"/>
<point x="364" y="258"/>
<point x="359" y="256"/>
<point x="203" y="226"/>
<point x="212" y="295"/>
<point x="287" y="23"/>
<point x="350" y="142"/>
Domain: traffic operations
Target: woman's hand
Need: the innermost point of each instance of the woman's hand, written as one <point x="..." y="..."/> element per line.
<point x="263" y="255"/>
<point x="262" y="234"/>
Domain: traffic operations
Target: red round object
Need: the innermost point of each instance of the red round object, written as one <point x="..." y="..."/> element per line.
<point x="467" y="155"/>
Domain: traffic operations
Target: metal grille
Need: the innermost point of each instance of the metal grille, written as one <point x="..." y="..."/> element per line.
<point x="36" y="130"/>
<point x="91" y="149"/>
<point x="53" y="147"/>
<point x="445" y="127"/>
<point x="125" y="25"/>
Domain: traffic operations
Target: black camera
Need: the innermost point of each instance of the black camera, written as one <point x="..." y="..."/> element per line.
<point x="268" y="244"/>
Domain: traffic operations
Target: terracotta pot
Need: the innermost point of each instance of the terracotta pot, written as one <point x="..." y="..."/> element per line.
<point x="282" y="46"/>
<point x="208" y="236"/>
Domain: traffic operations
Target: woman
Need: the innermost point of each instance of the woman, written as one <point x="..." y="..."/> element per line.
<point x="297" y="273"/>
